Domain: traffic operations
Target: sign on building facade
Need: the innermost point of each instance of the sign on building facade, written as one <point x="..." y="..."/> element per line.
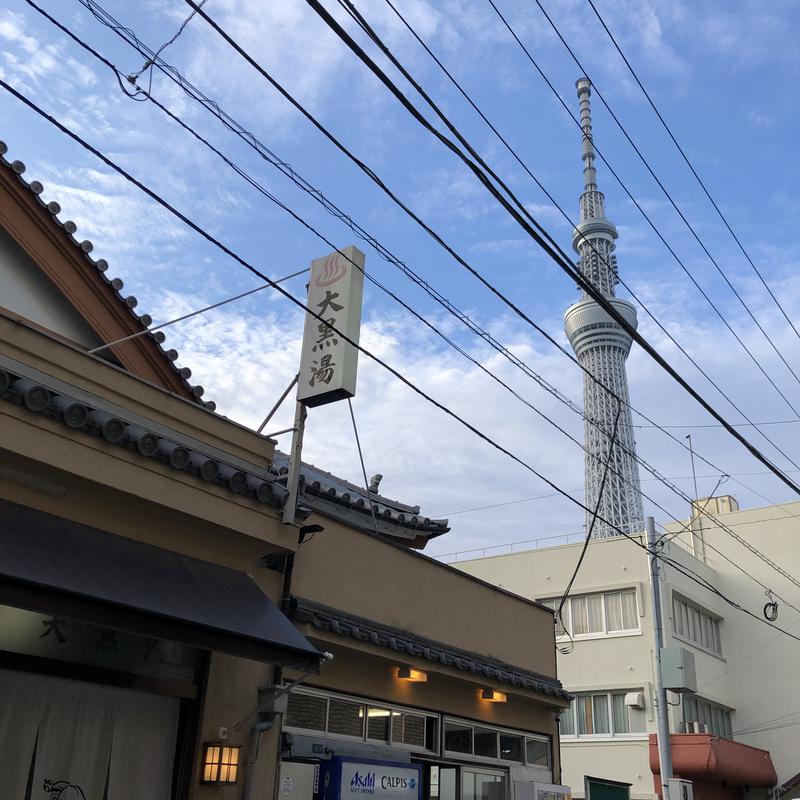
<point x="344" y="778"/>
<point x="328" y="363"/>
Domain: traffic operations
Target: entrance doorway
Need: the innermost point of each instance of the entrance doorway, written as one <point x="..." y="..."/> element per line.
<point x="84" y="740"/>
<point x="458" y="782"/>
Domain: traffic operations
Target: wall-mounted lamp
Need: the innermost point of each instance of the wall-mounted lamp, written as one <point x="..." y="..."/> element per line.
<point x="493" y="696"/>
<point x="411" y="674"/>
<point x="220" y="763"/>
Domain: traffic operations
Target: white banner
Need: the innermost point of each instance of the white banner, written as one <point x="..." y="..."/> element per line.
<point x="329" y="364"/>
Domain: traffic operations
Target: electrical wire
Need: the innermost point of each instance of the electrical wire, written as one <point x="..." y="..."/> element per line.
<point x="296" y="217"/>
<point x="150" y="61"/>
<point x="519" y="213"/>
<point x="660" y="236"/>
<point x="586" y="285"/>
<point x="511" y="150"/>
<point x="692" y="168"/>
<point x="536" y="180"/>
<point x="589" y="532"/>
<point x="755" y="725"/>
<point x="249" y="138"/>
<point x="270" y="196"/>
<point x="153" y="195"/>
<point x="332" y="245"/>
<point x="689" y="573"/>
<point x="191" y="314"/>
<point x="363" y="468"/>
<point x="685" y="221"/>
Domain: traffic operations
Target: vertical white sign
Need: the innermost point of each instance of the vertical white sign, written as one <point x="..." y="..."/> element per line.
<point x="328" y="363"/>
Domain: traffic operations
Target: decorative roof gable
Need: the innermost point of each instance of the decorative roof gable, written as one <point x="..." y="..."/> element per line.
<point x="66" y="262"/>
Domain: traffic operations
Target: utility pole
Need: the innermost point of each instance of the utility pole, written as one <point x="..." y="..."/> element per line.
<point x="698" y="542"/>
<point x="662" y="709"/>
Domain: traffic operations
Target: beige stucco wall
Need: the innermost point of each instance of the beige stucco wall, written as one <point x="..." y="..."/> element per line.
<point x="370" y="672"/>
<point x="51" y="451"/>
<point x="359" y="574"/>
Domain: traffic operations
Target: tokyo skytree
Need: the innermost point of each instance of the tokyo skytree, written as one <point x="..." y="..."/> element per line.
<point x="602" y="347"/>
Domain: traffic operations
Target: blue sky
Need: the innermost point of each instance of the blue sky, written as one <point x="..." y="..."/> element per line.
<point x="723" y="74"/>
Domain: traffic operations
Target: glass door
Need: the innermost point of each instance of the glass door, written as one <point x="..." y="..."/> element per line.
<point x="442" y="783"/>
<point x="483" y="784"/>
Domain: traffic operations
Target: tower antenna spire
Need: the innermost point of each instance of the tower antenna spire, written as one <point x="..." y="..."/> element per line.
<point x="584" y="88"/>
<point x="602" y="347"/>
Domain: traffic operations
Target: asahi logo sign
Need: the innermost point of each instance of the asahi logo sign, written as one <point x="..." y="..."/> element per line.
<point x="381" y="781"/>
<point x="329" y="362"/>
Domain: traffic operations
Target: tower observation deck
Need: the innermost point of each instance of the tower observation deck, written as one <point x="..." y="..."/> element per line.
<point x="602" y="347"/>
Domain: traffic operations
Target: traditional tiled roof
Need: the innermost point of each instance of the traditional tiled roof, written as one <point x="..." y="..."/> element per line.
<point x="85" y="414"/>
<point x="84" y="248"/>
<point x="338" y="498"/>
<point x="375" y="633"/>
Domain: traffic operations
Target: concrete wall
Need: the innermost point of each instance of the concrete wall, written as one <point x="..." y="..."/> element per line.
<point x="608" y="663"/>
<point x="754" y="676"/>
<point x="757" y="675"/>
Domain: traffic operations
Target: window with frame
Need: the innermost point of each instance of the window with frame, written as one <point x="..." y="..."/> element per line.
<point x="599" y="614"/>
<point x="601" y="714"/>
<point x="495" y="744"/>
<point x="317" y="712"/>
<point x="696" y="626"/>
<point x="713" y="717"/>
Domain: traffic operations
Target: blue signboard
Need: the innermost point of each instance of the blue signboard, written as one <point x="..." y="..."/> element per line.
<point x="344" y="778"/>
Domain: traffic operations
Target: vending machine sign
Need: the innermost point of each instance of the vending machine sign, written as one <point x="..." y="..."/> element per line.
<point x="350" y="779"/>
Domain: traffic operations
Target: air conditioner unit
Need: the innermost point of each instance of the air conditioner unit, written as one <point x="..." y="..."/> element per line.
<point x="634" y="699"/>
<point x="696" y="727"/>
<point x="680" y="789"/>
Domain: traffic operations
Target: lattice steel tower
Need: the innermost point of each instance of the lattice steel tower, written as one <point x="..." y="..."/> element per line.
<point x="602" y="346"/>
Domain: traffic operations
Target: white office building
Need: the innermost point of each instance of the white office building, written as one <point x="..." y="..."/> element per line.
<point x="739" y="734"/>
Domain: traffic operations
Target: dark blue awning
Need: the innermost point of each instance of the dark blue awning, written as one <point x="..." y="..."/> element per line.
<point x="110" y="580"/>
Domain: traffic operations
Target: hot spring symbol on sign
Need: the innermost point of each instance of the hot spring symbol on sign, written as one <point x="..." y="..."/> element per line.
<point x="333" y="268"/>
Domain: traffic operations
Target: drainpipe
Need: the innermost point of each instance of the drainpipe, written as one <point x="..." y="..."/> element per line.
<point x="256" y="732"/>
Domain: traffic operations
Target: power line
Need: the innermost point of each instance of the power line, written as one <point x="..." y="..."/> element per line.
<point x="588" y="538"/>
<point x="363" y="468"/>
<point x="191" y="314"/>
<point x="525" y="167"/>
<point x="580" y="489"/>
<point x="563" y="535"/>
<point x="399" y="376"/>
<point x="497" y="133"/>
<point x="299" y="303"/>
<point x="256" y="185"/>
<point x="249" y="138"/>
<point x="735" y="425"/>
<point x="755" y="725"/>
<point x="263" y="191"/>
<point x="660" y="236"/>
<point x="685" y="221"/>
<point x="309" y="227"/>
<point x="470" y="358"/>
<point x="693" y="576"/>
<point x="692" y="168"/>
<point x="149" y="63"/>
<point x="552" y="251"/>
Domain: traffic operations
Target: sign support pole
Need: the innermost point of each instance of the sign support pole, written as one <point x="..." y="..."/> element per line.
<point x="662" y="709"/>
<point x="295" y="459"/>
